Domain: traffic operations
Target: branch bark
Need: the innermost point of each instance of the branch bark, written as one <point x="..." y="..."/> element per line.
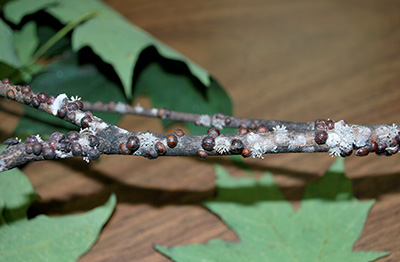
<point x="99" y="137"/>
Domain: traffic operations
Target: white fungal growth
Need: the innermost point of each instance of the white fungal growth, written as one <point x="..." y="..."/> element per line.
<point x="386" y="134"/>
<point x="123" y="131"/>
<point x="98" y="125"/>
<point x="154" y="111"/>
<point x="83" y="137"/>
<point x="280" y="129"/>
<point x="147" y="139"/>
<point x="308" y="149"/>
<point x="218" y="123"/>
<point x="138" y="108"/>
<point x="333" y="140"/>
<point x="39" y="138"/>
<point x="137" y="153"/>
<point x="298" y="141"/>
<point x="334" y="151"/>
<point x="257" y="151"/>
<point x="60" y="154"/>
<point x="86" y="159"/>
<point x="361" y="135"/>
<point x="340" y="138"/>
<point x="282" y="139"/>
<point x="75" y="98"/>
<point x="120" y="107"/>
<point x="253" y="138"/>
<point x="205" y="120"/>
<point x="58" y="103"/>
<point x="222" y="145"/>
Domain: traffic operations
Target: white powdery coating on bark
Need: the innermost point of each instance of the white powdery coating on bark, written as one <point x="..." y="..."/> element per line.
<point x="205" y="120"/>
<point x="253" y="138"/>
<point x="154" y="111"/>
<point x="386" y="134"/>
<point x="120" y="107"/>
<point x="138" y="108"/>
<point x="218" y="123"/>
<point x="62" y="155"/>
<point x="83" y="137"/>
<point x="58" y="102"/>
<point x="222" y="145"/>
<point x="147" y="140"/>
<point x="308" y="149"/>
<point x="298" y="141"/>
<point x="341" y="137"/>
<point x="257" y="151"/>
<point x="280" y="129"/>
<point x="75" y="98"/>
<point x="39" y="138"/>
<point x="282" y="139"/>
<point x="361" y="135"/>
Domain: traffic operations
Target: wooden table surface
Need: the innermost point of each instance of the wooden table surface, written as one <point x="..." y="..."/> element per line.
<point x="286" y="60"/>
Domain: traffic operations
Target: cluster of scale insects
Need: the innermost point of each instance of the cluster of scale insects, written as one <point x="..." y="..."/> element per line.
<point x="75" y="143"/>
<point x="387" y="146"/>
<point x="85" y="143"/>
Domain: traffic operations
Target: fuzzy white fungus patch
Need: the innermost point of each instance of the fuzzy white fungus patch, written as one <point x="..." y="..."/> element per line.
<point x="138" y="108"/>
<point x="280" y="129"/>
<point x="205" y="120"/>
<point x="120" y="107"/>
<point x="218" y="123"/>
<point x="58" y="103"/>
<point x="253" y="138"/>
<point x="257" y="151"/>
<point x="340" y="138"/>
<point x="222" y="145"/>
<point x="361" y="135"/>
<point x="147" y="139"/>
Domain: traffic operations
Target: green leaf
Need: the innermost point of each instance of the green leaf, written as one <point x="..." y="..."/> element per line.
<point x="110" y="35"/>
<point x="43" y="238"/>
<point x="115" y="39"/>
<point x="325" y="228"/>
<point x="26" y="41"/>
<point x="14" y="11"/>
<point x="68" y="76"/>
<point x="170" y="85"/>
<point x="8" y="54"/>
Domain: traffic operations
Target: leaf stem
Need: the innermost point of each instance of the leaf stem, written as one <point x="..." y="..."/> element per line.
<point x="58" y="36"/>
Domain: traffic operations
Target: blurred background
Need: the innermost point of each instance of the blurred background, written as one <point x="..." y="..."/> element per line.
<point x="284" y="60"/>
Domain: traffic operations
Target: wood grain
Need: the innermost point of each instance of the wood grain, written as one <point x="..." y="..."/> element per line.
<point x="287" y="60"/>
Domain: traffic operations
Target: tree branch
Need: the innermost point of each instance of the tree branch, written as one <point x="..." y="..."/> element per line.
<point x="99" y="137"/>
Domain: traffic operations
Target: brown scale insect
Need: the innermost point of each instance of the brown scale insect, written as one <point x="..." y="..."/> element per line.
<point x="160" y="148"/>
<point x="62" y="112"/>
<point x="237" y="146"/>
<point x="202" y="154"/>
<point x="208" y="143"/>
<point x="246" y="152"/>
<point x="243" y="131"/>
<point x="42" y="97"/>
<point x="362" y="151"/>
<point x="262" y="129"/>
<point x="212" y="131"/>
<point x="253" y="125"/>
<point x="133" y="143"/>
<point x="26" y="89"/>
<point x="124" y="149"/>
<point x="172" y="141"/>
<point x="179" y="132"/>
<point x="321" y="137"/>
<point x="10" y="94"/>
